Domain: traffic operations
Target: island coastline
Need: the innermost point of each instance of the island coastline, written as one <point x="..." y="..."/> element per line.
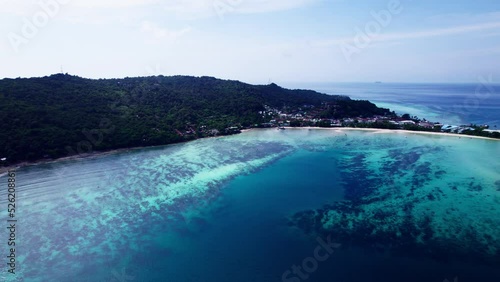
<point x="5" y="169"/>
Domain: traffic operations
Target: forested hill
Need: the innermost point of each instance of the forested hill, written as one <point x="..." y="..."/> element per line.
<point x="54" y="116"/>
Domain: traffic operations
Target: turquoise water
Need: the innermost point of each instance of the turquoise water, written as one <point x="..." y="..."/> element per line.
<point x="227" y="209"/>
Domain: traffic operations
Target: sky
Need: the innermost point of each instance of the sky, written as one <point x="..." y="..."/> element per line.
<point x="255" y="41"/>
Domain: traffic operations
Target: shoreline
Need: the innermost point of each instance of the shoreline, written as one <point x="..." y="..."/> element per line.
<point x="382" y="130"/>
<point x="4" y="170"/>
<point x="96" y="154"/>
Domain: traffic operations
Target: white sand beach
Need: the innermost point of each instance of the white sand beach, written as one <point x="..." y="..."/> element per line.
<point x="397" y="131"/>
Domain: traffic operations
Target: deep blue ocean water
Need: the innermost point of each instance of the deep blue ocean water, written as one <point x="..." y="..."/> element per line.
<point x="477" y="103"/>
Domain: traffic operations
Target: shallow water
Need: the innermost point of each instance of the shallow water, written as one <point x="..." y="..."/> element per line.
<point x="219" y="209"/>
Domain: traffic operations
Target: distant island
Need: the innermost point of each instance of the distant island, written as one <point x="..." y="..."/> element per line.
<point x="63" y="115"/>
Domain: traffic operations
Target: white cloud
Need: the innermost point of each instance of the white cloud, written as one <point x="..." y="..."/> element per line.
<point x="189" y="9"/>
<point x="417" y="34"/>
<point x="194" y="9"/>
<point x="158" y="32"/>
<point x="264" y="6"/>
<point x="112" y="3"/>
<point x="457" y="18"/>
<point x="440" y="32"/>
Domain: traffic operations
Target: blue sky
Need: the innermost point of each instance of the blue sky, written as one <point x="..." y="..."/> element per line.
<point x="254" y="40"/>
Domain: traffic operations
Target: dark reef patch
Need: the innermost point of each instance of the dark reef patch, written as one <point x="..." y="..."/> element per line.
<point x="497" y="184"/>
<point x="475" y="187"/>
<point x="380" y="208"/>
